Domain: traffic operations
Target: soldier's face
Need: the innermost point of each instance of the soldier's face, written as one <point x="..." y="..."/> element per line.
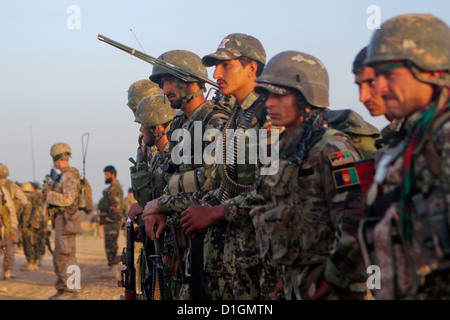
<point x="172" y="91"/>
<point x="149" y="138"/>
<point x="233" y="78"/>
<point x="108" y="177"/>
<point x="366" y="81"/>
<point x="283" y="111"/>
<point x="402" y="93"/>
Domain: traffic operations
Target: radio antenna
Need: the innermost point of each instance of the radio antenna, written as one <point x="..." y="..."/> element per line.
<point x="137" y="40"/>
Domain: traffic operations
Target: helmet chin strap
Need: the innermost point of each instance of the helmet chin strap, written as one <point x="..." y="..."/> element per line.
<point x="161" y="134"/>
<point x="187" y="98"/>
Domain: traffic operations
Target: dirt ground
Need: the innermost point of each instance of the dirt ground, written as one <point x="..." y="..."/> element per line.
<point x="39" y="285"/>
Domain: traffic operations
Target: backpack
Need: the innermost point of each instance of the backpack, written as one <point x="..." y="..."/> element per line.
<point x="85" y="201"/>
<point x="363" y="134"/>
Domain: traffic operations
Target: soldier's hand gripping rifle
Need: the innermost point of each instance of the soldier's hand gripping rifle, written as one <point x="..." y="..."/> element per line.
<point x="178" y="72"/>
<point x="128" y="275"/>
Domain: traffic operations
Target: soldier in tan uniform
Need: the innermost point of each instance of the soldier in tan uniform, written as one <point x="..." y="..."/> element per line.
<point x="62" y="206"/>
<point x="13" y="200"/>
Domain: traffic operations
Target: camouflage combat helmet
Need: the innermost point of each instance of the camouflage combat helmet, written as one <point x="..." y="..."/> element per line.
<point x="234" y="46"/>
<point x="27" y="187"/>
<point x="139" y="90"/>
<point x="4" y="171"/>
<point x="180" y="58"/>
<point x="421" y="39"/>
<point x="61" y="151"/>
<point x="153" y="111"/>
<point x="299" y="71"/>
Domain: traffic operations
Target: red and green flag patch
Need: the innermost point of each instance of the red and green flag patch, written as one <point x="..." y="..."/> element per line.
<point x="340" y="158"/>
<point x="345" y="178"/>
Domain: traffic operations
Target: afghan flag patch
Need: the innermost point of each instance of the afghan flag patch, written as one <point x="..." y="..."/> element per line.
<point x="340" y="158"/>
<point x="345" y="178"/>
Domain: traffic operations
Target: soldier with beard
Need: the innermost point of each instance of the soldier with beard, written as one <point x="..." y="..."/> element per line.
<point x="111" y="215"/>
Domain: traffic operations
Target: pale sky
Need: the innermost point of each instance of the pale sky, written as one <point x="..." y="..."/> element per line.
<point x="59" y="82"/>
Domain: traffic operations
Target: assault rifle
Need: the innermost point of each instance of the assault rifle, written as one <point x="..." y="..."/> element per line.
<point x="49" y="184"/>
<point x="158" y="271"/>
<point x="128" y="275"/>
<point x="178" y="72"/>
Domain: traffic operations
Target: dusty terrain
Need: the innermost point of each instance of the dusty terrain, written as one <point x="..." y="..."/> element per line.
<point x="39" y="285"/>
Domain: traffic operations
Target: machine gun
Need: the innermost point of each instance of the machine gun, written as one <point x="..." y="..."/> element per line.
<point x="128" y="275"/>
<point x="171" y="69"/>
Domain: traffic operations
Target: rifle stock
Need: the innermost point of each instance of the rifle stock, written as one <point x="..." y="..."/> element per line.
<point x="176" y="71"/>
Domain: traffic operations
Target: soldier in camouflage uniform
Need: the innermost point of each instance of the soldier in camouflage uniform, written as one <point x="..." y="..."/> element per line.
<point x="406" y="233"/>
<point x="30" y="222"/>
<point x="155" y="116"/>
<point x="232" y="265"/>
<point x="110" y="207"/>
<point x="44" y="230"/>
<point x="62" y="208"/>
<point x="309" y="209"/>
<point x="196" y="116"/>
<point x="12" y="201"/>
<point x="138" y="91"/>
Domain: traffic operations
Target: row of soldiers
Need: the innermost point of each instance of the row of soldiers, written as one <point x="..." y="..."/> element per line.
<point x="344" y="196"/>
<point x="21" y="223"/>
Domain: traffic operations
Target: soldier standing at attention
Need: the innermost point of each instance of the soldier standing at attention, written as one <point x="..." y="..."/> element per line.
<point x="408" y="204"/>
<point x="111" y="216"/>
<point x="13" y="201"/>
<point x="308" y="224"/>
<point x="232" y="265"/>
<point x="30" y="225"/>
<point x="192" y="174"/>
<point x="62" y="208"/>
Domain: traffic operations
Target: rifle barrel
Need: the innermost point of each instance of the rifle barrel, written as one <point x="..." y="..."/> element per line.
<point x="176" y="71"/>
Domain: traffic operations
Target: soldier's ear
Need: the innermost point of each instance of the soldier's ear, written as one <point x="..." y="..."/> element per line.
<point x="252" y="68"/>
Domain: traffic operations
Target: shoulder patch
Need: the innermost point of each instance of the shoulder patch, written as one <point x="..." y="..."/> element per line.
<point x="340" y="158"/>
<point x="345" y="178"/>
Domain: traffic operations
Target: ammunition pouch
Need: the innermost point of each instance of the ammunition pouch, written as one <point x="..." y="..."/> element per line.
<point x="141" y="183"/>
<point x="191" y="181"/>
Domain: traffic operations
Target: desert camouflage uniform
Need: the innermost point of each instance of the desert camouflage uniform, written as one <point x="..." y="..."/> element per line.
<point x="111" y="217"/>
<point x="13" y="202"/>
<point x="31" y="222"/>
<point x="66" y="220"/>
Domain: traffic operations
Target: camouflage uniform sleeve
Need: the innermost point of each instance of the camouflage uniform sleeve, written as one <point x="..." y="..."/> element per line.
<point x="238" y="207"/>
<point x="175" y="204"/>
<point x="344" y="198"/>
<point x="115" y="199"/>
<point x="441" y="140"/>
<point x="68" y="192"/>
